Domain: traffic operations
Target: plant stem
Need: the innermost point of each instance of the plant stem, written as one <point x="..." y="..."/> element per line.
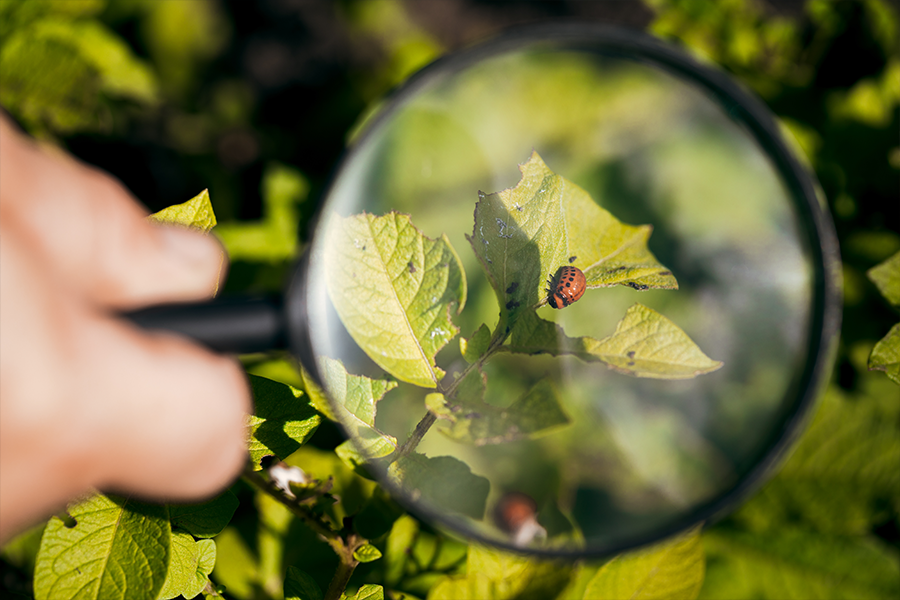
<point x="429" y="419"/>
<point x="315" y="523"/>
<point x="341" y="578"/>
<point x="343" y="545"/>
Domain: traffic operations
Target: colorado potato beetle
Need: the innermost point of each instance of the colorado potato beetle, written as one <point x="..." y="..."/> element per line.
<point x="567" y="288"/>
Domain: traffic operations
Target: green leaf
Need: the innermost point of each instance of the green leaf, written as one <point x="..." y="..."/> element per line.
<point x="367" y="553"/>
<point x="671" y="570"/>
<point x="368" y="591"/>
<point x="274" y="238"/>
<point x="886" y="354"/>
<point x="398" y="547"/>
<point x="355" y="399"/>
<point x="792" y="564"/>
<point x="196" y="213"/>
<point x="467" y="418"/>
<point x="58" y="72"/>
<point x="207" y="519"/>
<point x="283" y="419"/>
<point x="300" y="586"/>
<point x="495" y="575"/>
<point x="645" y="344"/>
<point x="886" y="277"/>
<point x="474" y="348"/>
<point x="392" y="288"/>
<point x="443" y="481"/>
<point x="520" y="236"/>
<point x="842" y="475"/>
<point x="118" y="548"/>
<point x="190" y="564"/>
<point x="525" y="233"/>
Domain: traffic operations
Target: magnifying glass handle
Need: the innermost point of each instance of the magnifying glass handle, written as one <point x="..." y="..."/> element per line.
<point x="234" y="325"/>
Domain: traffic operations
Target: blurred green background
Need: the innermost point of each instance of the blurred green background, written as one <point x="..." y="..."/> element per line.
<point x="257" y="100"/>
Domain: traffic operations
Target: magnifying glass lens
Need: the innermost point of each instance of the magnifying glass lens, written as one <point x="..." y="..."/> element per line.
<point x="622" y="170"/>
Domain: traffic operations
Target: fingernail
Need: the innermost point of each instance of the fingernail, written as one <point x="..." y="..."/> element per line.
<point x="190" y="247"/>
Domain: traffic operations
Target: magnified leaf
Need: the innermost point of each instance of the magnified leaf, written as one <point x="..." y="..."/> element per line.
<point x="474" y="347"/>
<point x="283" y="419"/>
<point x="520" y="236"/>
<point x="444" y="482"/>
<point x="886" y="354"/>
<point x="196" y="212"/>
<point x="469" y="419"/>
<point x="393" y="288"/>
<point x="672" y="570"/>
<point x="886" y="277"/>
<point x="526" y="233"/>
<point x="645" y="344"/>
<point x="356" y="397"/>
<point x="115" y="544"/>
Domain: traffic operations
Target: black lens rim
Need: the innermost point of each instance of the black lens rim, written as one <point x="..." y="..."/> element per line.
<point x="825" y="316"/>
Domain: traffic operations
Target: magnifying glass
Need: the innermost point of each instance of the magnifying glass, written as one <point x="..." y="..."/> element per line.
<point x="486" y="234"/>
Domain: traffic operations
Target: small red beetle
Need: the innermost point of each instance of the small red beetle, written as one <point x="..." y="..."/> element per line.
<point x="569" y="287"/>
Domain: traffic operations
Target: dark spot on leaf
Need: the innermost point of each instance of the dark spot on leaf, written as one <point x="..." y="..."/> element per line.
<point x="364" y="247"/>
<point x="572" y="259"/>
<point x="512" y="287"/>
<point x="630" y="363"/>
<point x="412" y="267"/>
<point x="619" y="269"/>
<point x="507" y="329"/>
<point x="637" y="286"/>
<point x="665" y="272"/>
<point x="630" y="354"/>
<point x="511" y="304"/>
<point x="518" y="208"/>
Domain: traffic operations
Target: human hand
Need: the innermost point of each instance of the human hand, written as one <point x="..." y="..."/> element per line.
<point x="86" y="399"/>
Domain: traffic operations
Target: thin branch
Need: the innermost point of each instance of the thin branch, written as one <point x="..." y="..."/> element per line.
<point x="312" y="520"/>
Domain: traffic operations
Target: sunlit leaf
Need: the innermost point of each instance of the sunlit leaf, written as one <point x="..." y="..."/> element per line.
<point x="645" y="344"/>
<point x="190" y="564"/>
<point x="526" y="233"/>
<point x="196" y="213"/>
<point x="118" y="548"/>
<point x="672" y="570"/>
<point x="886" y="277"/>
<point x="444" y="482"/>
<point x="393" y="288"/>
<point x="367" y="553"/>
<point x="207" y="519"/>
<point x="520" y="237"/>
<point x="496" y="575"/>
<point x="300" y="586"/>
<point x="355" y="398"/>
<point x="368" y="591"/>
<point x="283" y="419"/>
<point x="467" y="418"/>
<point x="886" y="354"/>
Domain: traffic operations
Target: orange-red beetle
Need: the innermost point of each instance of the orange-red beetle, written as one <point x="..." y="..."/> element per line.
<point x="569" y="287"/>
